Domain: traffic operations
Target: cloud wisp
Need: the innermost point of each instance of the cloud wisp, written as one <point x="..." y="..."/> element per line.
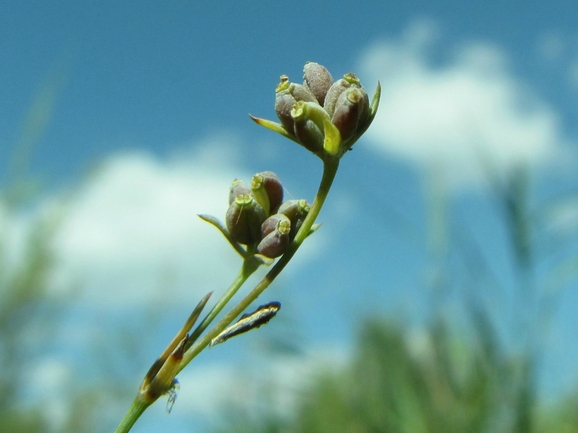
<point x="132" y="228"/>
<point x="462" y="115"/>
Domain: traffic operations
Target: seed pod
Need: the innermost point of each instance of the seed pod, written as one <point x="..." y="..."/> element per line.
<point x="238" y="187"/>
<point x="278" y="221"/>
<point x="267" y="188"/>
<point x="333" y="93"/>
<point x="276" y="242"/>
<point x="318" y="80"/>
<point x="296" y="211"/>
<point x="244" y="218"/>
<point x="347" y="110"/>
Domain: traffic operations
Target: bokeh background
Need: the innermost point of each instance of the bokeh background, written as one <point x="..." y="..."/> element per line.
<point x="440" y="292"/>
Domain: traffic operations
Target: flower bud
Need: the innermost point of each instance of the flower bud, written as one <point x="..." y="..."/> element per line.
<point x="318" y="79"/>
<point x="364" y="104"/>
<point x="267" y="190"/>
<point x="277" y="221"/>
<point x="284" y="102"/>
<point x="333" y="94"/>
<point x="244" y="218"/>
<point x="301" y="93"/>
<point x="306" y="131"/>
<point x="296" y="211"/>
<point x="238" y="187"/>
<point x="276" y="240"/>
<point x="347" y="111"/>
<point x="325" y="117"/>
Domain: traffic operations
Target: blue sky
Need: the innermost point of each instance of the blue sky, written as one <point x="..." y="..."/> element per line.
<point x="146" y="111"/>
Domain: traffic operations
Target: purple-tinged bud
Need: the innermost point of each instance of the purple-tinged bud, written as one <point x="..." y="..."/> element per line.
<point x="296" y="211"/>
<point x="276" y="240"/>
<point x="277" y="221"/>
<point x="284" y="103"/>
<point x="333" y="94"/>
<point x="347" y="111"/>
<point x="294" y="208"/>
<point x="238" y="187"/>
<point x="318" y="79"/>
<point x="352" y="79"/>
<point x="315" y="112"/>
<point x="302" y="93"/>
<point x="306" y="131"/>
<point x="267" y="188"/>
<point x="244" y="218"/>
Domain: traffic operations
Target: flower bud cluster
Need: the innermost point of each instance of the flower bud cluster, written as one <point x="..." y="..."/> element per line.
<point x="258" y="217"/>
<point x="323" y="115"/>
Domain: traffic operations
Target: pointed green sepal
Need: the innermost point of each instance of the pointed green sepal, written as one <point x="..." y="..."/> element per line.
<point x="332" y="138"/>
<point x="273" y="126"/>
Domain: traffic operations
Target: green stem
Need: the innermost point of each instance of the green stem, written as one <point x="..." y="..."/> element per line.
<point x="136" y="409"/>
<point x="330" y="166"/>
<point x="250" y="265"/>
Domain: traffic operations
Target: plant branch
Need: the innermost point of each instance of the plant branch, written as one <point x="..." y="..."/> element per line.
<point x="330" y="166"/>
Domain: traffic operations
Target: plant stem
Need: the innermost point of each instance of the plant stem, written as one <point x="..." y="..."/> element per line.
<point x="330" y="166"/>
<point x="136" y="409"/>
<point x="250" y="265"/>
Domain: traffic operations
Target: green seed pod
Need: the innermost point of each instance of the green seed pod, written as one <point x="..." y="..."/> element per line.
<point x="296" y="211"/>
<point x="301" y="93"/>
<point x="244" y="218"/>
<point x="347" y="111"/>
<point x="277" y="221"/>
<point x="275" y="243"/>
<point x="267" y="188"/>
<point x="238" y="187"/>
<point x="318" y="79"/>
<point x="333" y="94"/>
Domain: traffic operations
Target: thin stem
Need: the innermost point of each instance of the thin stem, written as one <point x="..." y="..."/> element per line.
<point x="330" y="166"/>
<point x="250" y="265"/>
<point x="136" y="409"/>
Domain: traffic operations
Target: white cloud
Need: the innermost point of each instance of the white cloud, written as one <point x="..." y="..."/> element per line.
<point x="131" y="234"/>
<point x="132" y="230"/>
<point x="457" y="114"/>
